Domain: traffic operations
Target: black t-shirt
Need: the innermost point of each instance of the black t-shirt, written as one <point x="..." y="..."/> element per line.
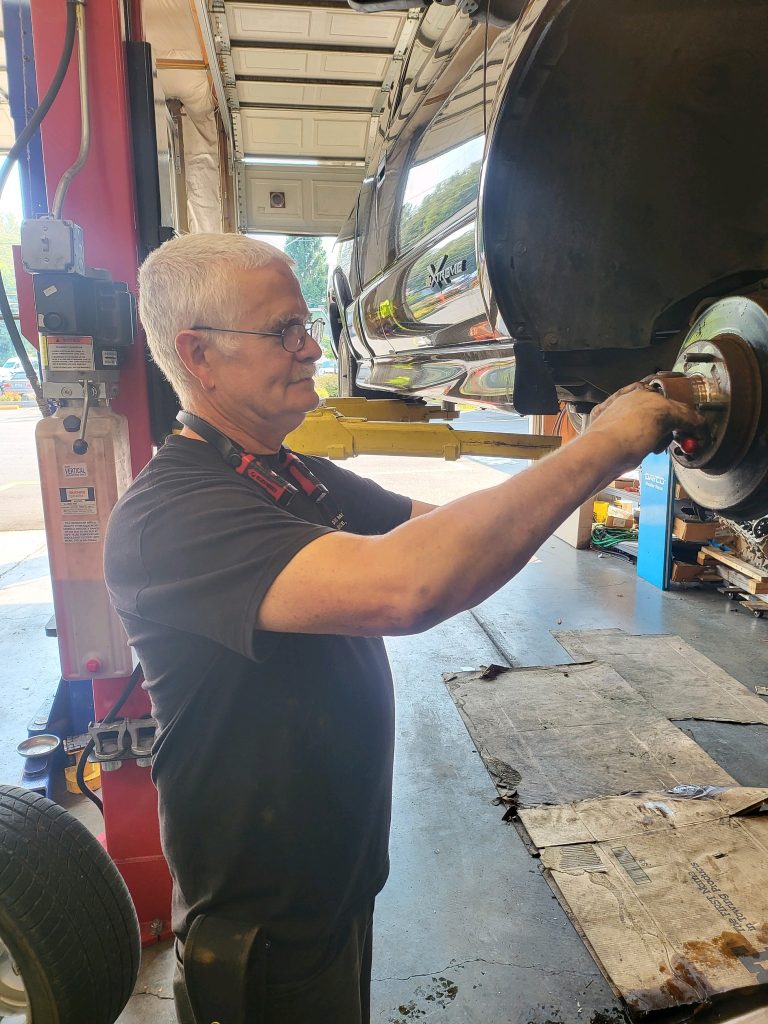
<point x="273" y="758"/>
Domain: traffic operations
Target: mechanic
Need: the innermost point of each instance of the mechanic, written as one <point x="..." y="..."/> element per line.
<point x="255" y="588"/>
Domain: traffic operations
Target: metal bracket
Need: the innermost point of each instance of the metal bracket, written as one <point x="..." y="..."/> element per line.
<point x="102" y="392"/>
<point x="211" y="52"/>
<point x="328" y="432"/>
<point x="125" y="739"/>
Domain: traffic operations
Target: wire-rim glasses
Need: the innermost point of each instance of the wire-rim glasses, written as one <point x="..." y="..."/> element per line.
<point x="293" y="338"/>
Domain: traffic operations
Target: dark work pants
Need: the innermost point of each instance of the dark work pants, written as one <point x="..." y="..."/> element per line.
<point x="319" y="982"/>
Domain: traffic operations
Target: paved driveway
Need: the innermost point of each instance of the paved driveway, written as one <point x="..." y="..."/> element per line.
<point x="20" y="505"/>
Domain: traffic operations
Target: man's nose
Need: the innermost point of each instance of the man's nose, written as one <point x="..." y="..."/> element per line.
<point x="311" y="349"/>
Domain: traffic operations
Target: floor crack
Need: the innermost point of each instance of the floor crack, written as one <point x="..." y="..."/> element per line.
<point x="32" y="554"/>
<point x="482" y="960"/>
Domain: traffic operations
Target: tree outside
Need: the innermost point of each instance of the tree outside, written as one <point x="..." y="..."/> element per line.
<point x="311" y="268"/>
<point x="309" y="255"/>
<point x="450" y="196"/>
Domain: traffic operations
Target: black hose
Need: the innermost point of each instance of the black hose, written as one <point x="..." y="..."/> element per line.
<point x="13" y="155"/>
<point x="45" y="104"/>
<point x="7" y="314"/>
<point x="110" y="716"/>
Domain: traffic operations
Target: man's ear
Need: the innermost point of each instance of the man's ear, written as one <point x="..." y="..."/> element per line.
<point x="193" y="348"/>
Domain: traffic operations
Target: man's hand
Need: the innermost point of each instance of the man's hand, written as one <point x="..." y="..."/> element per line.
<point x="640" y="421"/>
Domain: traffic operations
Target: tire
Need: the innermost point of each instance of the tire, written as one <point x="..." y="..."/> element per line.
<point x="347" y="369"/>
<point x="334" y="321"/>
<point x="69" y="937"/>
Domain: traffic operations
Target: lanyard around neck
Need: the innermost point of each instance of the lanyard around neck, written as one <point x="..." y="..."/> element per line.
<point x="273" y="483"/>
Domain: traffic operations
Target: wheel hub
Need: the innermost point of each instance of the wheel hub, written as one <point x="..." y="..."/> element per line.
<point x="722" y="371"/>
<point x="14" y="1004"/>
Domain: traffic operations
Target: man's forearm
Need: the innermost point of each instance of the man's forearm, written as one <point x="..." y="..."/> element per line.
<point x="450" y="559"/>
<point x="472" y="546"/>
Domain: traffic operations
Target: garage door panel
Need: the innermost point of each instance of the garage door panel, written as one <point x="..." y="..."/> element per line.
<point x="262" y="22"/>
<point x="290" y="133"/>
<point x="272" y="62"/>
<point x="280" y="94"/>
<point x="337" y="65"/>
<point x="345" y="133"/>
<point x="297" y="24"/>
<point x="290" y="63"/>
<point x="364" y="27"/>
<point x="316" y="200"/>
<point x="269" y="132"/>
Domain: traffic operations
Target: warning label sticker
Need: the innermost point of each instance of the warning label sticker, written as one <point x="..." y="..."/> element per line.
<point x="86" y="532"/>
<point x="109" y="357"/>
<point x="69" y="353"/>
<point x="78" y="501"/>
<point x="74" y="469"/>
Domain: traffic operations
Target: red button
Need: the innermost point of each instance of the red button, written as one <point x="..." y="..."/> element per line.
<point x="93" y="664"/>
<point x="690" y="445"/>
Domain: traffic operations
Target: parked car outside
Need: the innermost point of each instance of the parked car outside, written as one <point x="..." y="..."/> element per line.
<point x="19" y="384"/>
<point x="9" y="367"/>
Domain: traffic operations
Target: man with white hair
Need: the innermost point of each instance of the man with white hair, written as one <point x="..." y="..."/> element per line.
<point x="255" y="588"/>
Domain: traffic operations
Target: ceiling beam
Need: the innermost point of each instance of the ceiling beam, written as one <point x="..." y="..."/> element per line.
<point x="315" y="107"/>
<point x="353" y="50"/>
<point x="323" y="5"/>
<point x="289" y="162"/>
<point x="281" y="79"/>
<point x="181" y="65"/>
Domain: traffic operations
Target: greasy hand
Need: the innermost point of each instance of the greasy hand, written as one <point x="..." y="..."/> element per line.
<point x="642" y="421"/>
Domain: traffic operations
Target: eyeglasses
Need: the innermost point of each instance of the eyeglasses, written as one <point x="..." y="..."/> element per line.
<point x="293" y="338"/>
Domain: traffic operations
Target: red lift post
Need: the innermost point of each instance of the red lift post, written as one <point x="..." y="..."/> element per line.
<point x="101" y="200"/>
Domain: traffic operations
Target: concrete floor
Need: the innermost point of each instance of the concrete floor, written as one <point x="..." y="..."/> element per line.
<point x="467" y="929"/>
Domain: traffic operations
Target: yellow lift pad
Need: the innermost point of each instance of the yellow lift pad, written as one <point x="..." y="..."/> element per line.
<point x="328" y="433"/>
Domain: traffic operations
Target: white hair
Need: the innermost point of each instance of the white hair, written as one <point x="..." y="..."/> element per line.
<point x="187" y="281"/>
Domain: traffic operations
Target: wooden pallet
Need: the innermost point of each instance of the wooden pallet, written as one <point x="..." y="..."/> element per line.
<point x="735" y="571"/>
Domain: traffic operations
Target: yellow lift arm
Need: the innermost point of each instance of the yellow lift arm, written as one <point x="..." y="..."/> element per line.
<point x="346" y="427"/>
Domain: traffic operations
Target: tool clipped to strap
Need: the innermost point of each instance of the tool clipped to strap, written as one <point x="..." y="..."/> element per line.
<point x="255" y="469"/>
<point x="303" y="476"/>
<point x="281" y="491"/>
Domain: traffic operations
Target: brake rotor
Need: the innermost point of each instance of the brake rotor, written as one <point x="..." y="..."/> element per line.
<point x="722" y="371"/>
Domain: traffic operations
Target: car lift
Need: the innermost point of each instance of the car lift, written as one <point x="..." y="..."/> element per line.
<point x="102" y="200"/>
<point x="345" y="427"/>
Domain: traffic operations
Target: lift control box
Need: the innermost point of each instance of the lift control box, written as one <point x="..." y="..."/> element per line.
<point x="48" y="244"/>
<point x="87" y="307"/>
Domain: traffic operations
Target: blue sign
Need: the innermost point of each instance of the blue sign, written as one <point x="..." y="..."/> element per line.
<point x="657" y="488"/>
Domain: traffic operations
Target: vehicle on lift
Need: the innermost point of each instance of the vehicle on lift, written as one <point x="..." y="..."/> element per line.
<point x="558" y="196"/>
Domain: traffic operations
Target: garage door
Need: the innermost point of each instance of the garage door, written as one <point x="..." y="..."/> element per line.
<point x="306" y="85"/>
